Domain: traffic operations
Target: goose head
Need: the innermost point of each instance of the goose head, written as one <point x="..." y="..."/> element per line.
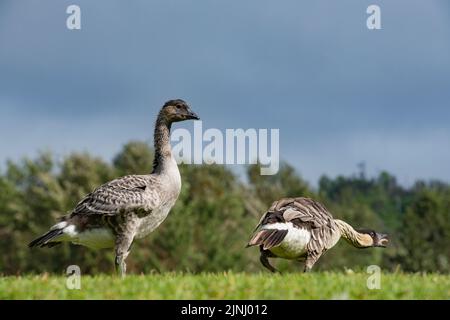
<point x="371" y="238"/>
<point x="177" y="110"/>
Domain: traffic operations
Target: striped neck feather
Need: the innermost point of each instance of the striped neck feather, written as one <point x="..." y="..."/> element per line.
<point x="355" y="238"/>
<point x="163" y="150"/>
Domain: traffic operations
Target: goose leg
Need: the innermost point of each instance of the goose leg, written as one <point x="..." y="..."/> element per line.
<point x="121" y="266"/>
<point x="123" y="244"/>
<point x="265" y="262"/>
<point x="309" y="263"/>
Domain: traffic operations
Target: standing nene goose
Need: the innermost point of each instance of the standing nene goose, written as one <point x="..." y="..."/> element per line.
<point x="303" y="229"/>
<point x="129" y="207"/>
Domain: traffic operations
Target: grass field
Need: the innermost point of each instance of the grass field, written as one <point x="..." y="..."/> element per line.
<point x="315" y="285"/>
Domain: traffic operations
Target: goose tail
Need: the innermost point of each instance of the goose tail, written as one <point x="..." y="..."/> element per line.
<point x="46" y="239"/>
<point x="267" y="238"/>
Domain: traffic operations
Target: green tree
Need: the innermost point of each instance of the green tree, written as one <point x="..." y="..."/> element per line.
<point x="136" y="157"/>
<point x="215" y="214"/>
<point x="286" y="183"/>
<point x="426" y="232"/>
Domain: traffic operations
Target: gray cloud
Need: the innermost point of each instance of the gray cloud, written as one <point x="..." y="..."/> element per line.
<point x="311" y="69"/>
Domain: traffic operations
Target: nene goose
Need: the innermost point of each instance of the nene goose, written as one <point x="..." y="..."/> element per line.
<point x="303" y="229"/>
<point x="116" y="213"/>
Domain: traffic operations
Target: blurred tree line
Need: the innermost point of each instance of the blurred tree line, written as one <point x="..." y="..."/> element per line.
<point x="214" y="216"/>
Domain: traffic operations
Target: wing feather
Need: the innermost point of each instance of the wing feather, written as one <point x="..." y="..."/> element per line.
<point x="267" y="238"/>
<point x="306" y="213"/>
<point x="123" y="194"/>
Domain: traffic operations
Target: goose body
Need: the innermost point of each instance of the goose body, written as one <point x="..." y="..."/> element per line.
<point x="146" y="207"/>
<point x="293" y="246"/>
<point x="130" y="207"/>
<point x="303" y="229"/>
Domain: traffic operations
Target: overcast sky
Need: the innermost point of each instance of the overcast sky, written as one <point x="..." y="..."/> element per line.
<point x="339" y="93"/>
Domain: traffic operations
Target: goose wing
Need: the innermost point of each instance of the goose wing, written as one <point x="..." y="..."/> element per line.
<point x="120" y="195"/>
<point x="312" y="215"/>
<point x="304" y="213"/>
<point x="270" y="237"/>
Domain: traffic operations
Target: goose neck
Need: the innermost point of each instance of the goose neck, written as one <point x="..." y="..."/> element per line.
<point x="163" y="150"/>
<point x="355" y="238"/>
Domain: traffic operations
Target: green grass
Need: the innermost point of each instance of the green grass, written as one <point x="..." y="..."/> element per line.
<point x="315" y="285"/>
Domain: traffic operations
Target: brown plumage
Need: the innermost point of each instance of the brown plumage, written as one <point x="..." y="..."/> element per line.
<point x="130" y="207"/>
<point x="303" y="229"/>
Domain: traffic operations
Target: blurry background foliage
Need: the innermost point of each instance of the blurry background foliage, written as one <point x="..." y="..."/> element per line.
<point x="215" y="214"/>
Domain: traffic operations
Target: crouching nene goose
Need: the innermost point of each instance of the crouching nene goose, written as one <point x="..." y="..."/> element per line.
<point x="129" y="207"/>
<point x="303" y="229"/>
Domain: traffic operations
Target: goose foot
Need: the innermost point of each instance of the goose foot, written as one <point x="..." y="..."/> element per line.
<point x="265" y="262"/>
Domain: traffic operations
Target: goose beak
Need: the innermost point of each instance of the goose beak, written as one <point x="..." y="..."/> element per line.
<point x="383" y="240"/>
<point x="192" y="115"/>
